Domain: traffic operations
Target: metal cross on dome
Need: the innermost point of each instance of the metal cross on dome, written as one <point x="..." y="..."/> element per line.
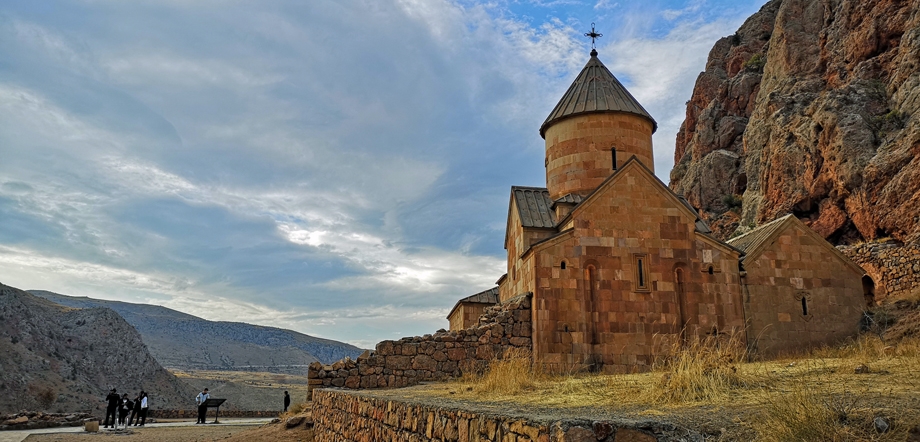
<point x="594" y="35"/>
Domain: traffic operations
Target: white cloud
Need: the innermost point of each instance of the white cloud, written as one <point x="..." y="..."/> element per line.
<point x="332" y="168"/>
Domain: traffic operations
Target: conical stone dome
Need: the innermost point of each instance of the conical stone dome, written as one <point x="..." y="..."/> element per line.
<point x="596" y="128"/>
<point x="595" y="90"/>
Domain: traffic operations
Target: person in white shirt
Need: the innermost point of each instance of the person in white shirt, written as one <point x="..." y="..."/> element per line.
<point x="144" y="405"/>
<point x="202" y="409"/>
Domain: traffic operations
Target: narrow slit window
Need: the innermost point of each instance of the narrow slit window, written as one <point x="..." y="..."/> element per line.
<point x="710" y="270"/>
<point x="613" y="157"/>
<point x="562" y="265"/>
<point x="804" y="306"/>
<point x="641" y="272"/>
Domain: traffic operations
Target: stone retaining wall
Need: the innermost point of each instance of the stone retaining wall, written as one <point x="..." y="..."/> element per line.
<point x="343" y="416"/>
<point x="441" y="356"/>
<point x="188" y="414"/>
<point x="893" y="267"/>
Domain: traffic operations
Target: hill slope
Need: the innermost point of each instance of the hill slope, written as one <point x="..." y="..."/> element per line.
<point x="62" y="359"/>
<point x="185" y="342"/>
<point x="810" y="108"/>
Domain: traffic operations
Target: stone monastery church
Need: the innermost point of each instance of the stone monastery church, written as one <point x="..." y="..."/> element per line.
<point x="619" y="267"/>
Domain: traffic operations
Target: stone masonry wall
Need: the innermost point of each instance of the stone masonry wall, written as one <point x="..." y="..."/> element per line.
<point x="443" y="355"/>
<point x="341" y="416"/>
<point x="895" y="268"/>
<point x="188" y="414"/>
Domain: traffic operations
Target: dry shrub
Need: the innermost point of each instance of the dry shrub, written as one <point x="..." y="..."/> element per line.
<point x="803" y="415"/>
<point x="44" y="395"/>
<point x="704" y="369"/>
<point x="870" y="347"/>
<point x="511" y="374"/>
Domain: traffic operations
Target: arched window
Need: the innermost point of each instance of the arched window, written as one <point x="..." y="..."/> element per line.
<point x="711" y="271"/>
<point x="804" y="306"/>
<point x="562" y="265"/>
<point x="613" y="157"/>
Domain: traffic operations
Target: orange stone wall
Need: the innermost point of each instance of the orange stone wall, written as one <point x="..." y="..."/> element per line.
<point x="578" y="150"/>
<point x="520" y="273"/>
<point x="793" y="266"/>
<point x="611" y="321"/>
<point x="467" y="315"/>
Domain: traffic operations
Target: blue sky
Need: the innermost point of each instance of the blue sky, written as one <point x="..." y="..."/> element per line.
<point x="340" y="168"/>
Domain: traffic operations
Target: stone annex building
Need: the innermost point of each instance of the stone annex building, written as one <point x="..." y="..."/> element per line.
<point x="619" y="268"/>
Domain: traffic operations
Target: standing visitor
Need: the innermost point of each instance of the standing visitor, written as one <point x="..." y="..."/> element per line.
<point x="135" y="412"/>
<point x="202" y="409"/>
<point x="111" y="408"/>
<point x="144" y="406"/>
<point x="124" y="409"/>
<point x="287" y="401"/>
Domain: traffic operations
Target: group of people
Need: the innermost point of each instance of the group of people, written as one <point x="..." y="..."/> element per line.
<point x="122" y="405"/>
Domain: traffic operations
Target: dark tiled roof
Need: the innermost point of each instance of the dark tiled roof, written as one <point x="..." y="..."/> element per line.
<point x="572" y="198"/>
<point x="487" y="297"/>
<point x="751" y="240"/>
<point x="595" y="90"/>
<point x="701" y="225"/>
<point x="534" y="206"/>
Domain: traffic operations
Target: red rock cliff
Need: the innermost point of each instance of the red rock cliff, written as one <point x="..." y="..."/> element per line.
<point x="810" y="108"/>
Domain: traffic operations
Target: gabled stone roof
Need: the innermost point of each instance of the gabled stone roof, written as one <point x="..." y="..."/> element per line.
<point x="595" y="90"/>
<point x="753" y="239"/>
<point x="487" y="297"/>
<point x="534" y="206"/>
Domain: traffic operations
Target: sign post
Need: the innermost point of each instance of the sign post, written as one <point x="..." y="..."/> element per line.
<point x="216" y="404"/>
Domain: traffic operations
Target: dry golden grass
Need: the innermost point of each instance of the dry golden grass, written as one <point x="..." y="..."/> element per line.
<point x="513" y="374"/>
<point x="704" y="370"/>
<point x="817" y="396"/>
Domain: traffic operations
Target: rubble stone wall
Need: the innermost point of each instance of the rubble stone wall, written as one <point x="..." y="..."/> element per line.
<point x="436" y="357"/>
<point x="893" y="267"/>
<point x="188" y="414"/>
<point x="342" y="416"/>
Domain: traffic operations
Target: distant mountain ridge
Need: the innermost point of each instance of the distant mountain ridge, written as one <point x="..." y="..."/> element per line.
<point x="181" y="341"/>
<point x="56" y="358"/>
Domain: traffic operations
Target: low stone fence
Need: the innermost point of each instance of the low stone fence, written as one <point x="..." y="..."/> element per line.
<point x="350" y="416"/>
<point x="33" y="420"/>
<point x="893" y="267"/>
<point x="443" y="355"/>
<point x="189" y="414"/>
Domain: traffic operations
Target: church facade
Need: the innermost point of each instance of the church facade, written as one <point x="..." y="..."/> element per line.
<point x="620" y="268"/>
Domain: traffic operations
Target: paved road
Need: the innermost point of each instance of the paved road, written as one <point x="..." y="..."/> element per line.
<point x="18" y="436"/>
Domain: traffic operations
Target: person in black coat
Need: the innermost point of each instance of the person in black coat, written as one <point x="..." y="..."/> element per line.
<point x="124" y="409"/>
<point x="136" y="410"/>
<point x="113" y="401"/>
<point x="287" y="401"/>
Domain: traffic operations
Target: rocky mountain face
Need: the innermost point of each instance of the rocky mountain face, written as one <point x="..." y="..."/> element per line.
<point x="185" y="342"/>
<point x="56" y="358"/>
<point x="811" y="108"/>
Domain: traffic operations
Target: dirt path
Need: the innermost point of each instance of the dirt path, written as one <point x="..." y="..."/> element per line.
<point x="165" y="432"/>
